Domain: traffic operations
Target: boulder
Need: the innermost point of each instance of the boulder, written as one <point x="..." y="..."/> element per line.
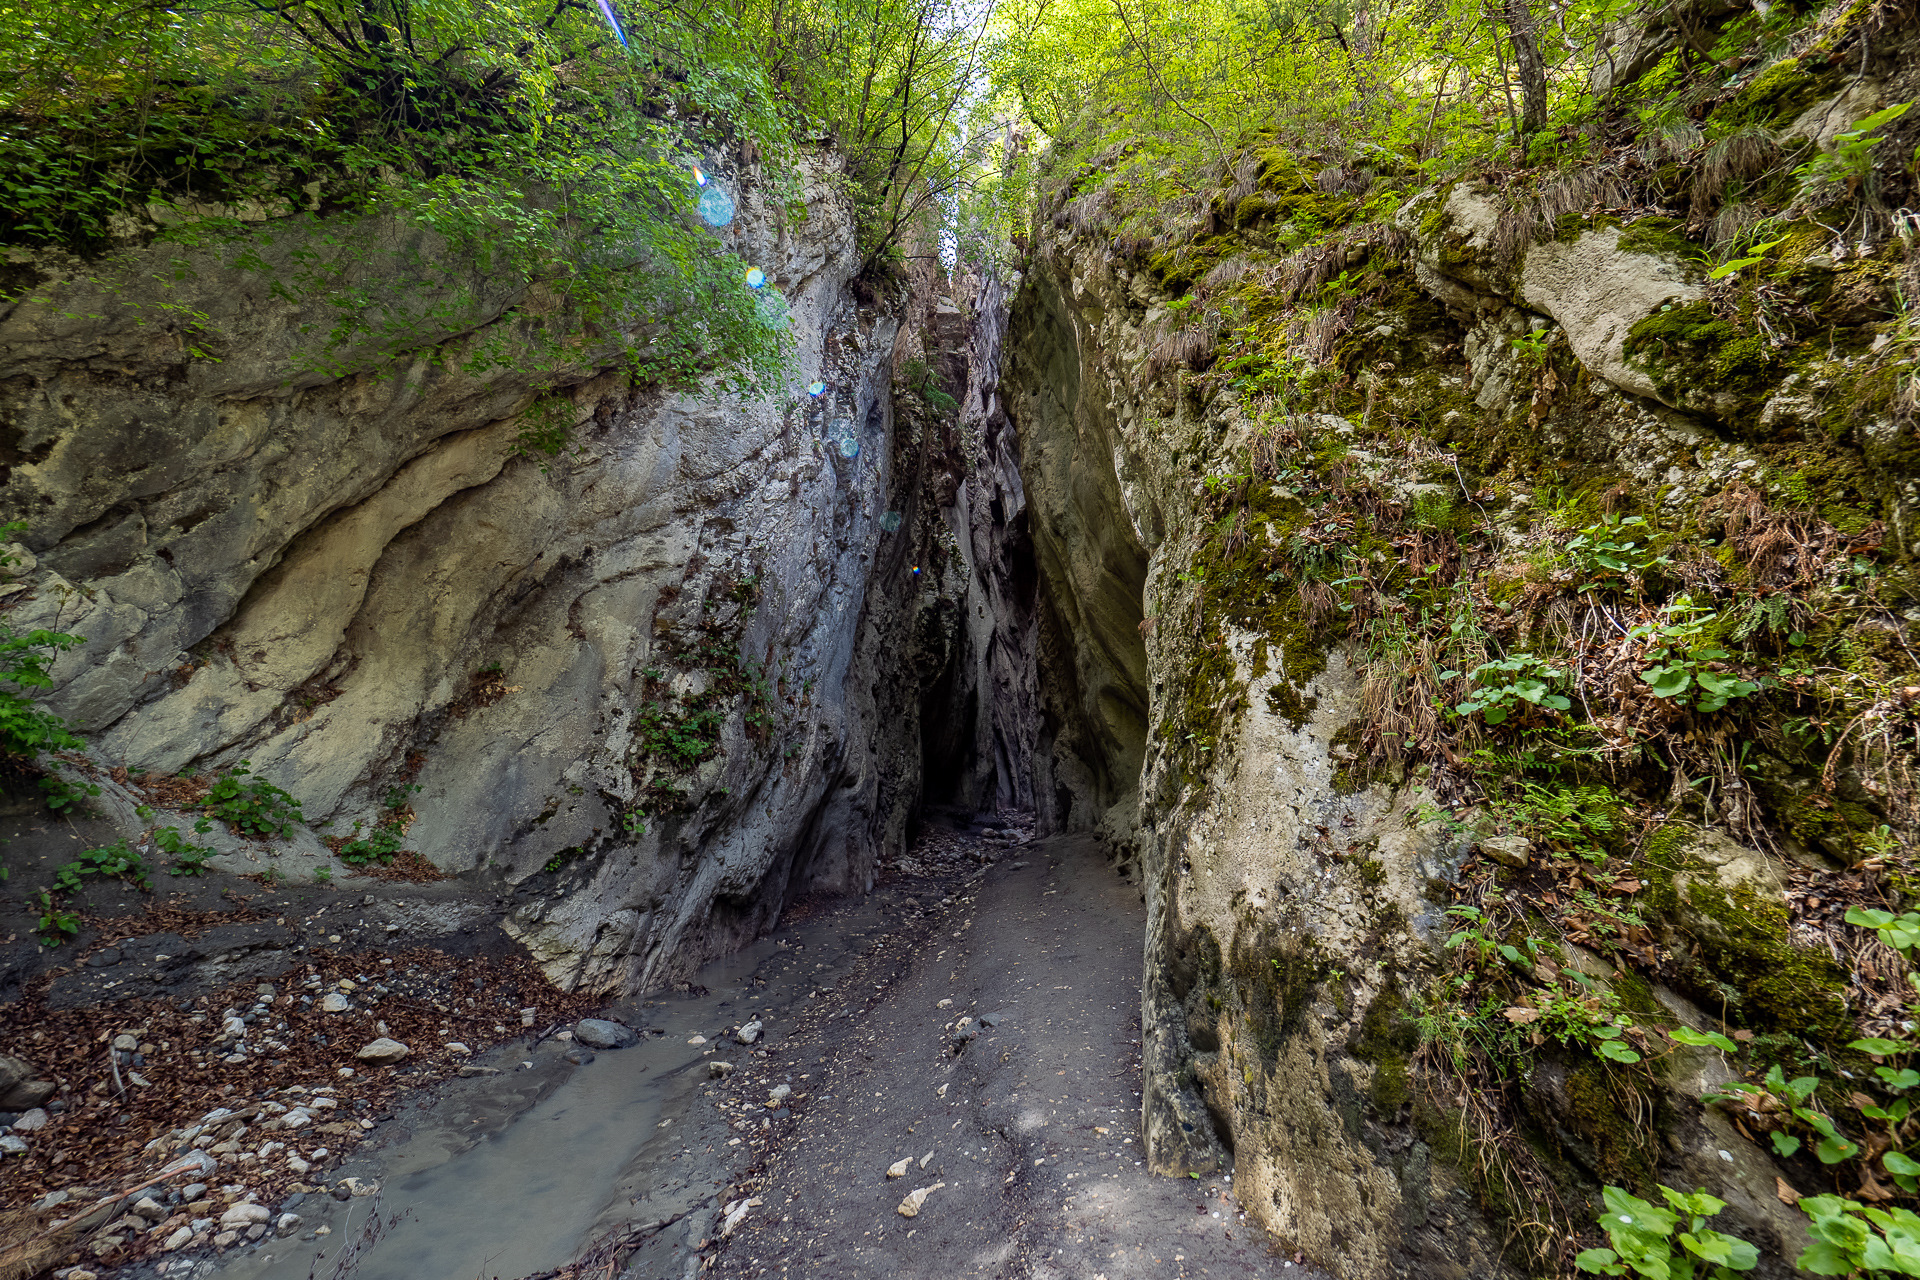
<point x="602" y="1033"/>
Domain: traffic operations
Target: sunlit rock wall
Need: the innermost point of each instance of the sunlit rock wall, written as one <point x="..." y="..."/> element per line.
<point x="354" y="581"/>
<point x="1196" y="717"/>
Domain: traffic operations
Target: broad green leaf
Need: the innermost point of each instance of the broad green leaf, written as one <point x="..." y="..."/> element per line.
<point x="1824" y="1258"/>
<point x="1882" y="1048"/>
<point x="1706" y="1039"/>
<point x="1835" y="1149"/>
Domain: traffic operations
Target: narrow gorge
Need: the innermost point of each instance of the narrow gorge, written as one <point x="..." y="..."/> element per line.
<point x="1369" y="619"/>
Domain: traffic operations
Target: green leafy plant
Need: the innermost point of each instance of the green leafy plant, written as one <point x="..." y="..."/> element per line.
<point x="1472" y="938"/>
<point x="379" y="845"/>
<point x="56" y="925"/>
<point x="1850" y="1239"/>
<point x="251" y="805"/>
<point x="1576" y="1012"/>
<point x="323" y="875"/>
<point x="1532" y="346"/>
<point x="1790" y="1105"/>
<point x="545" y="435"/>
<point x="188" y="859"/>
<point x="1504" y="687"/>
<point x="1704" y="1039"/>
<point x="1614" y="552"/>
<point x="116" y="859"/>
<point x="1852" y="152"/>
<point x="1684" y="663"/>
<point x="1648" y="1240"/>
<point x="1901" y="932"/>
<point x="26" y="728"/>
<point x="1755" y="255"/>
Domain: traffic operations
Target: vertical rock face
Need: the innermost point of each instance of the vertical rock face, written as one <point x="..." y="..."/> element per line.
<point x="1226" y="797"/>
<point x="686" y="662"/>
<point x="1206" y="710"/>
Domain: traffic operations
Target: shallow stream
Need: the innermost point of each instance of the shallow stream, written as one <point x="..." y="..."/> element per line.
<point x="513" y="1175"/>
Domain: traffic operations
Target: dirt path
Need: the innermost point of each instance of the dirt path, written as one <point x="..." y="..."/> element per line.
<point x="1029" y="1131"/>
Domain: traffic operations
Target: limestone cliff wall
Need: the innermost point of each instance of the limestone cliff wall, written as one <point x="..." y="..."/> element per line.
<point x="355" y="581"/>
<point x="1294" y="784"/>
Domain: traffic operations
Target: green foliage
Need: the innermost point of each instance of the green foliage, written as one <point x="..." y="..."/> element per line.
<point x="378" y="846"/>
<point x="1901" y="932"/>
<point x="188" y="859"/>
<point x="323" y="875"/>
<point x="545" y="434"/>
<point x="56" y="924"/>
<point x="1850" y="1238"/>
<point x="25" y="728"/>
<point x="1704" y="1039"/>
<point x="111" y="860"/>
<point x="1852" y="154"/>
<point x="1795" y="1105"/>
<point x="387" y="836"/>
<point x="1504" y="687"/>
<point x="1754" y="256"/>
<point x="523" y="150"/>
<point x="252" y="806"/>
<point x="1648" y="1240"/>
<point x="1614" y="553"/>
<point x="1684" y="662"/>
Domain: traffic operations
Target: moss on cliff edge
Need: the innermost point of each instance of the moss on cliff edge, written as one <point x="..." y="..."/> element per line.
<point x="1734" y="950"/>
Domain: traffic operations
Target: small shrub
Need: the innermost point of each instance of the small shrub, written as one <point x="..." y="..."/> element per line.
<point x="1684" y="663"/>
<point x="1507" y="686"/>
<point x="378" y="845"/>
<point x="56" y="925"/>
<point x="188" y="859"/>
<point x="1614" y="552"/>
<point x="252" y="806"/>
<point x="1646" y="1240"/>
<point x="1850" y="1238"/>
<point x="115" y="859"/>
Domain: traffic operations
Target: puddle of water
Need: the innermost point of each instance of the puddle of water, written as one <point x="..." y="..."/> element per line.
<point x="553" y="1142"/>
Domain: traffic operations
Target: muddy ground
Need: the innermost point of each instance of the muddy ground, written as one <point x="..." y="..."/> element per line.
<point x="977" y="1017"/>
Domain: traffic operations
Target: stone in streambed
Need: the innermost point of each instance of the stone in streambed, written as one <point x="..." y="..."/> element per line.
<point x="383" y="1051"/>
<point x="601" y="1033"/>
<point x="910" y="1207"/>
<point x="19" y="1091"/>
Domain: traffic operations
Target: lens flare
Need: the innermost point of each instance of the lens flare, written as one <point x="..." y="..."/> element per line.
<point x="606" y="11"/>
<point x="715" y="206"/>
<point x="890" y="522"/>
<point x="755" y="277"/>
<point x="816" y="388"/>
<point x="849" y="447"/>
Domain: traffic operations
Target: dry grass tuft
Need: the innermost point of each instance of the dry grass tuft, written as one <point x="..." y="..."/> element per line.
<point x="1736" y="159"/>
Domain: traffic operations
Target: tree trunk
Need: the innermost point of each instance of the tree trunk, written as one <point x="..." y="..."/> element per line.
<point x="1533" y="72"/>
